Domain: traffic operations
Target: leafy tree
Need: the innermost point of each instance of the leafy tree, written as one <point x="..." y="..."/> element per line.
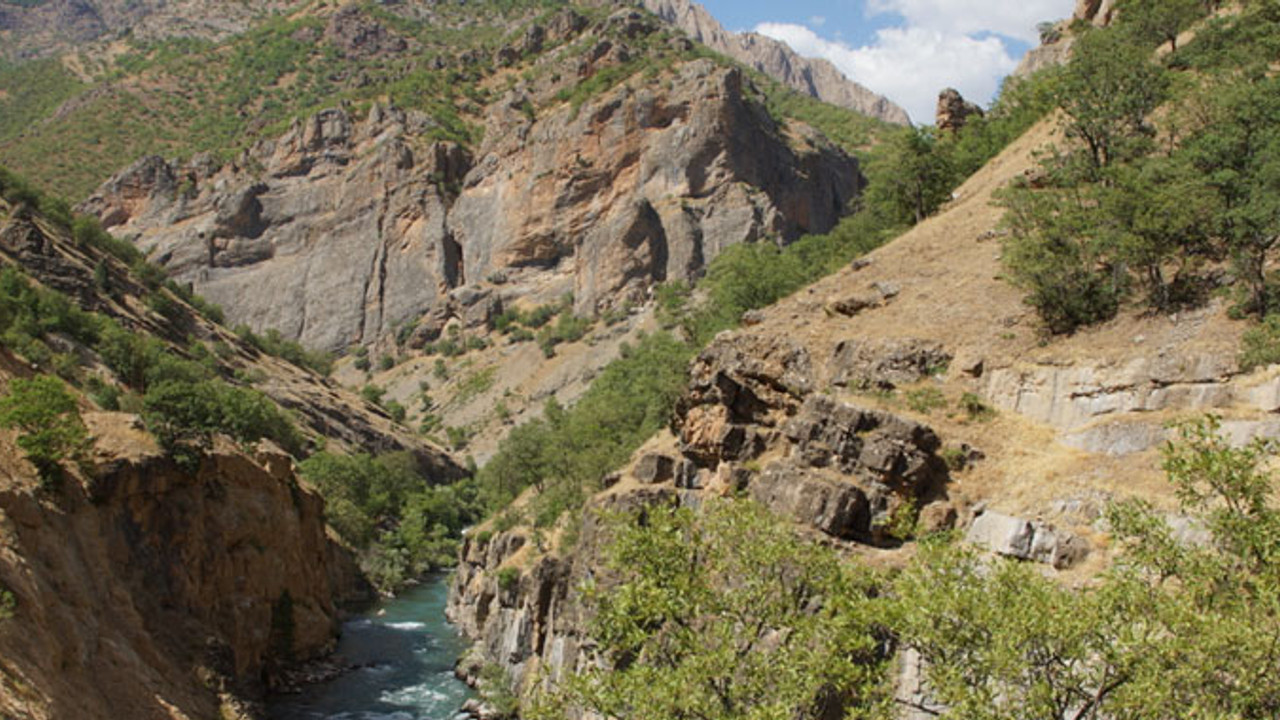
<point x="48" y="419"/>
<point x="1107" y="92"/>
<point x="1056" y="253"/>
<point x="911" y="176"/>
<point x="1160" y="21"/>
<point x="1237" y="152"/>
<point x="725" y="614"/>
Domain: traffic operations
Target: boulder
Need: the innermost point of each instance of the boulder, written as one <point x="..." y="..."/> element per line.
<point x="1026" y="540"/>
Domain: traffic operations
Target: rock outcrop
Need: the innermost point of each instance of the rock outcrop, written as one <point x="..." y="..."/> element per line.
<point x="812" y="76"/>
<point x="146" y="591"/>
<point x="751" y="421"/>
<point x="346" y="227"/>
<point x="1055" y="43"/>
<point x="954" y="111"/>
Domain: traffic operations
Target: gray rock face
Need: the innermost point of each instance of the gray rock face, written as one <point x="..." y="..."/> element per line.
<point x="885" y="364"/>
<point x="331" y="234"/>
<point x="344" y="228"/>
<point x="814" y="77"/>
<point x="1026" y="540"/>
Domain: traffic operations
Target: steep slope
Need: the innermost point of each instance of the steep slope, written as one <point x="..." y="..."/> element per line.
<point x="593" y="179"/>
<point x="44" y="251"/>
<point x="161" y="571"/>
<point x="811" y="76"/>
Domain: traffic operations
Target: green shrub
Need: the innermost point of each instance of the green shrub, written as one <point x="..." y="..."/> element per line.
<point x="372" y="394"/>
<point x="8" y="604"/>
<point x="1260" y="345"/>
<point x="975" y="408"/>
<point x="395" y="410"/>
<point x="925" y="400"/>
<point x="48" y="420"/>
<point x="508" y="579"/>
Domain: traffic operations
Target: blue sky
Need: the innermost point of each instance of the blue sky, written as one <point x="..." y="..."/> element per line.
<point x="907" y="50"/>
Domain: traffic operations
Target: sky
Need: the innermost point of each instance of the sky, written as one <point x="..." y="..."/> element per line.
<point x="907" y="50"/>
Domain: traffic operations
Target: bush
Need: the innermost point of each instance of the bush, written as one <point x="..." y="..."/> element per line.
<point x="183" y="415"/>
<point x="925" y="400"/>
<point x="8" y="604"/>
<point x="508" y="579"/>
<point x="1260" y="345"/>
<point x="48" y="420"/>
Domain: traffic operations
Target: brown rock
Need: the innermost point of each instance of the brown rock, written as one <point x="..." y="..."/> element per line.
<point x="954" y="111"/>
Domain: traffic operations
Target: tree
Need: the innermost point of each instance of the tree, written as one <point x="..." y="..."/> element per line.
<point x="1160" y="21"/>
<point x="1238" y="152"/>
<point x="1107" y="91"/>
<point x="725" y="614"/>
<point x="1177" y="629"/>
<point x="1062" y="255"/>
<point x="48" y="419"/>
<point x="912" y="176"/>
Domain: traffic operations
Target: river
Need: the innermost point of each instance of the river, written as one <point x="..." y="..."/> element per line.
<point x="405" y="651"/>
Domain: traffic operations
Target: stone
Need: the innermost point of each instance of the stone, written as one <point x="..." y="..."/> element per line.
<point x="839" y="509"/>
<point x="855" y="304"/>
<point x="1026" y="540"/>
<point x="937" y="517"/>
<point x="885" y="364"/>
<point x="654" y="468"/>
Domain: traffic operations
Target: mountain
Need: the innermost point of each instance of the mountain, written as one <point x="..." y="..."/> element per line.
<point x="815" y="77"/>
<point x="347" y="228"/>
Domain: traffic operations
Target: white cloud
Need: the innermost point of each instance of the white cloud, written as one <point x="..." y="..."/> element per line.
<point x="817" y="21"/>
<point x="910" y="64"/>
<point x="1015" y="19"/>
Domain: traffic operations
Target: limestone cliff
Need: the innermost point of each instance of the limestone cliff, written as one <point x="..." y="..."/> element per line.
<point x="145" y="591"/>
<point x="347" y="227"/>
<point x="811" y="76"/>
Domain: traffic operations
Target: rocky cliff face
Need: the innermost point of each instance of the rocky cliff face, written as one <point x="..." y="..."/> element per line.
<point x="811" y="76"/>
<point x="753" y="421"/>
<point x="1055" y="46"/>
<point x="144" y="591"/>
<point x="347" y="227"/>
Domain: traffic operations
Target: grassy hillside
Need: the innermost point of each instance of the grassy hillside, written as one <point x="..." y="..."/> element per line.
<point x="183" y="96"/>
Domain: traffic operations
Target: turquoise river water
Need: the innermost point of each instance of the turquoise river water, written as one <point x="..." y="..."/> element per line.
<point x="405" y="652"/>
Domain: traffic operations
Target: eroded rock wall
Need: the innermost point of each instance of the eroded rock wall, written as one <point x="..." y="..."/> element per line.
<point x="145" y="591"/>
<point x="347" y="227"/>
